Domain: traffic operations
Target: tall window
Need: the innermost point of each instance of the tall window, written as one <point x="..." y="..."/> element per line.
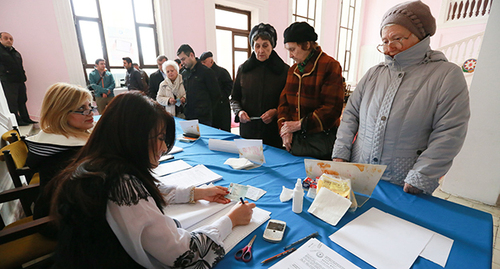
<point x="304" y="10"/>
<point x="232" y="30"/>
<point x="113" y="29"/>
<point x="346" y="38"/>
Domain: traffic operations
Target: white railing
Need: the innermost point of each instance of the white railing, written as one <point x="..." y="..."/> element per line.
<point x="461" y="50"/>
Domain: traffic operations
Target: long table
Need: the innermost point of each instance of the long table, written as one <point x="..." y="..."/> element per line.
<point x="471" y="230"/>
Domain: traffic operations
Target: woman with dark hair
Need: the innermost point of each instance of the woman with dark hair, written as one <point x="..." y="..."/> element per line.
<point x="257" y="88"/>
<point x="110" y="209"/>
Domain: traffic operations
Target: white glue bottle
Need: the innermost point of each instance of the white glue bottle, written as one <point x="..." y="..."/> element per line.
<point x="298" y="196"/>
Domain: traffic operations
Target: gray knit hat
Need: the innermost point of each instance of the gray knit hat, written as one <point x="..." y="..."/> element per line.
<point x="264" y="29"/>
<point x="414" y="16"/>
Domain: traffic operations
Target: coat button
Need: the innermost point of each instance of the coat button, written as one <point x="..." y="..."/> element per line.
<point x="375" y="159"/>
<point x="400" y="75"/>
<point x="383" y="118"/>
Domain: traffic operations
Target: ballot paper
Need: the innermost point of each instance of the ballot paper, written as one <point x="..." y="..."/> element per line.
<point x="314" y="255"/>
<point x="170" y="167"/>
<point x="386" y="241"/>
<point x="194" y="176"/>
<point x="251" y="149"/>
<point x="329" y="206"/>
<point x="236" y="191"/>
<point x="175" y="149"/>
<point x="254" y="193"/>
<point x="222" y="145"/>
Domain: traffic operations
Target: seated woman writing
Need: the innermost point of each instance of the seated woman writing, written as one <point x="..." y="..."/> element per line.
<point x="66" y="121"/>
<point x="111" y="210"/>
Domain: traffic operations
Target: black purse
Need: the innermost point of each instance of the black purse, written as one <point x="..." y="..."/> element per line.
<point x="317" y="145"/>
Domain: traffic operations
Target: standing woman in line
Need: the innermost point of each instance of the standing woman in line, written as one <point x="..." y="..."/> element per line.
<point x="111" y="210"/>
<point x="66" y="121"/>
<point x="257" y="88"/>
<point x="311" y="102"/>
<point x="172" y="89"/>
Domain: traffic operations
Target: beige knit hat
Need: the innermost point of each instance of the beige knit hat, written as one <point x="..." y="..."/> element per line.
<point x="414" y="16"/>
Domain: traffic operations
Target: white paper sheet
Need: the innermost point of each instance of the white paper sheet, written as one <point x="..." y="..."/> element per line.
<point x="190" y="127"/>
<point x="170" y="167"/>
<point x="438" y="249"/>
<point x="190" y="214"/>
<point x="383" y="240"/>
<point x="239" y="163"/>
<point x="195" y="176"/>
<point x="254" y="193"/>
<point x="314" y="255"/>
<point x="222" y="145"/>
<point x="176" y="149"/>
<point x="329" y="206"/>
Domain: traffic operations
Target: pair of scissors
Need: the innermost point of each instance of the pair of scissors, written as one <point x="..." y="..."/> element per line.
<point x="245" y="254"/>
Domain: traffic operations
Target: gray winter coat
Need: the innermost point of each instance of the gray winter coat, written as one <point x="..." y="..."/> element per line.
<point x="409" y="113"/>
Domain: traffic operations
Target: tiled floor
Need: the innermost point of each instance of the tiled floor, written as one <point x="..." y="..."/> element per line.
<point x="493" y="210"/>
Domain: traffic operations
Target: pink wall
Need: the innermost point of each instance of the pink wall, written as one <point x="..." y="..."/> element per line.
<point x="36" y="36"/>
<point x="188" y="24"/>
<point x="278" y="17"/>
<point x="330" y="27"/>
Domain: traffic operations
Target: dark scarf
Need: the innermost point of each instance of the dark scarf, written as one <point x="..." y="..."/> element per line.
<point x="274" y="63"/>
<point x="301" y="66"/>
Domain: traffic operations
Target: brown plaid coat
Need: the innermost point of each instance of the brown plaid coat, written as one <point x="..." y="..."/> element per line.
<point x="314" y="97"/>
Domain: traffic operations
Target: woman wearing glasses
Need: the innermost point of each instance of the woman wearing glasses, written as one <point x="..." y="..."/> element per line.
<point x="410" y="112"/>
<point x="66" y="121"/>
<point x="112" y="211"/>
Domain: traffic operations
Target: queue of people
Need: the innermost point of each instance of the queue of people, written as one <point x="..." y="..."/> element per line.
<point x="409" y="113"/>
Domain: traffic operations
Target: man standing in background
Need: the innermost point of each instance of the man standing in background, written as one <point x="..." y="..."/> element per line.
<point x="202" y="89"/>
<point x="157" y="77"/>
<point x="133" y="79"/>
<point x="12" y="76"/>
<point x="102" y="83"/>
<point x="222" y="111"/>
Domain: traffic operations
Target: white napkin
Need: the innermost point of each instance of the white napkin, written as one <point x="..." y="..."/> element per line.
<point x="286" y="195"/>
<point x="238" y="163"/>
<point x="329" y="206"/>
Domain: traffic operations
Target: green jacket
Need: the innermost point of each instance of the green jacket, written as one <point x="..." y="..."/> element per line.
<point x="101" y="86"/>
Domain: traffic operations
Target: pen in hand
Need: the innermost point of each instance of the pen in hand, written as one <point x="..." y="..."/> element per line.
<point x="242" y="202"/>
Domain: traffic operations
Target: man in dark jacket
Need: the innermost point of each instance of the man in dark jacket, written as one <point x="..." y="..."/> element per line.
<point x="12" y="76"/>
<point x="222" y="113"/>
<point x="200" y="83"/>
<point x="133" y="78"/>
<point x="157" y="77"/>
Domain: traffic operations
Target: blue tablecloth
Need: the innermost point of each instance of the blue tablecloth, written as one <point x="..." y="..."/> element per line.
<point x="470" y="229"/>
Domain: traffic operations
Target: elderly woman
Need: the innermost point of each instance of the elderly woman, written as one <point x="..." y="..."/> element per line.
<point x="257" y="88"/>
<point x="66" y="121"/>
<point x="410" y="112"/>
<point x="312" y="100"/>
<point x="171" y="93"/>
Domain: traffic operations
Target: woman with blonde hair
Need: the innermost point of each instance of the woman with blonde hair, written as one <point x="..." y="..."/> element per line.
<point x="66" y="121"/>
<point x="172" y="89"/>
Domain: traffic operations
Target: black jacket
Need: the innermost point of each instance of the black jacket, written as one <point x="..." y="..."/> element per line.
<point x="133" y="80"/>
<point x="202" y="93"/>
<point x="154" y="83"/>
<point x="224" y="79"/>
<point x="257" y="88"/>
<point x="11" y="65"/>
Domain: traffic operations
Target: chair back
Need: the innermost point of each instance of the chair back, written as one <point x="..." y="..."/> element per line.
<point x="10" y="136"/>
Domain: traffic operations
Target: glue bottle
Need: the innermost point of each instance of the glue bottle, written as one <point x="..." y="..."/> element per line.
<point x="298" y="196"/>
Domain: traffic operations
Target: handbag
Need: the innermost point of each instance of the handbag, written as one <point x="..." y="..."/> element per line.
<point x="316" y="145"/>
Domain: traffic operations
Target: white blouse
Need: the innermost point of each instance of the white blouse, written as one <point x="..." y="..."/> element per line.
<point x="169" y="89"/>
<point x="153" y="240"/>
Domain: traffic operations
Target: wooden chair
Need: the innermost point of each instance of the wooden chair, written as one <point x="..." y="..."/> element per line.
<point x="14" y="155"/>
<point x="10" y="136"/>
<point x="21" y="242"/>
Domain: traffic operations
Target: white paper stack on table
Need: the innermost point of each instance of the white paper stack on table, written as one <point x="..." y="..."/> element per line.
<point x="194" y="176"/>
<point x="386" y="241"/>
<point x="201" y="213"/>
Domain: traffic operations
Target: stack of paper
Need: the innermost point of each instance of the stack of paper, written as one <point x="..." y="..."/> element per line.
<point x="195" y="176"/>
<point x="170" y="167"/>
<point x="386" y="241"/>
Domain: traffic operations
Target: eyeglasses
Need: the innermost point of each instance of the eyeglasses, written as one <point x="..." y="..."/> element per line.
<point x="83" y="111"/>
<point x="397" y="42"/>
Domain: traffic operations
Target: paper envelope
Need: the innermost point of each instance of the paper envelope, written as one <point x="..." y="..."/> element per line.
<point x="364" y="177"/>
<point x="190" y="127"/>
<point x="251" y="149"/>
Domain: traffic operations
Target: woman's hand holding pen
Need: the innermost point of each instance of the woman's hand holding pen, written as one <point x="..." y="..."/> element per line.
<point x="241" y="213"/>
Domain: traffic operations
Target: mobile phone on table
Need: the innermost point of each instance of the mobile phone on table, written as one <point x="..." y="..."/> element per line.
<point x="274" y="231"/>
